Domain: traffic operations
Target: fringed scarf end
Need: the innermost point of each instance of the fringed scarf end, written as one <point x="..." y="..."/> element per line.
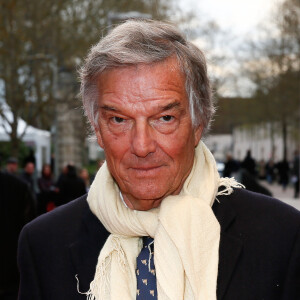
<point x="88" y="294"/>
<point x="101" y="283"/>
<point x="229" y="184"/>
<point x="121" y="255"/>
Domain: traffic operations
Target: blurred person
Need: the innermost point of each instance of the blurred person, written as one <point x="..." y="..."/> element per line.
<point x="16" y="209"/>
<point x="47" y="190"/>
<point x="283" y="170"/>
<point x="251" y="183"/>
<point x="270" y="171"/>
<point x="231" y="166"/>
<point x="70" y="186"/>
<point x="30" y="158"/>
<point x="158" y="221"/>
<point x="296" y="173"/>
<point x="249" y="163"/>
<point x="11" y="166"/>
<point x="85" y="176"/>
<point x="52" y="162"/>
<point x="63" y="173"/>
<point x="262" y="169"/>
<point x="28" y="176"/>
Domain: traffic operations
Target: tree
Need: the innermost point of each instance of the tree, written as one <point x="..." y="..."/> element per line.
<point x="212" y="40"/>
<point x="274" y="68"/>
<point x="37" y="39"/>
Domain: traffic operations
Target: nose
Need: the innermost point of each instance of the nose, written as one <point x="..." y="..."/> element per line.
<point x="143" y="142"/>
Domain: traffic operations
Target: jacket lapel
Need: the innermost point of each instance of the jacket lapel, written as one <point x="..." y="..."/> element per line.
<point x="85" y="250"/>
<point x="230" y="246"/>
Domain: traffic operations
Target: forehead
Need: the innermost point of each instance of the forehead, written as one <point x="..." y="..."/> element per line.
<point x="155" y="81"/>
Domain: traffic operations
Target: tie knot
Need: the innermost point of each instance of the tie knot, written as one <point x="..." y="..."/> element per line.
<point x="147" y="241"/>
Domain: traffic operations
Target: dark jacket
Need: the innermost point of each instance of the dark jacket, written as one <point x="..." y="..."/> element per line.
<point x="70" y="187"/>
<point x="259" y="250"/>
<point x="16" y="209"/>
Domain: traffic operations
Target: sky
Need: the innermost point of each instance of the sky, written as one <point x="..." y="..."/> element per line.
<point x="238" y="16"/>
<point x="239" y="20"/>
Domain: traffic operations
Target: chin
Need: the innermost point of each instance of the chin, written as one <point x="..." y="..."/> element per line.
<point x="148" y="207"/>
<point x="149" y="194"/>
<point x="147" y="198"/>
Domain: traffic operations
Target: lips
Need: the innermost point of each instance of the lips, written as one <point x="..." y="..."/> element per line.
<point x="145" y="170"/>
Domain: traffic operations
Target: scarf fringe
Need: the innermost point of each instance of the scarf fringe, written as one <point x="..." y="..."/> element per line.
<point x="101" y="281"/>
<point x="229" y="184"/>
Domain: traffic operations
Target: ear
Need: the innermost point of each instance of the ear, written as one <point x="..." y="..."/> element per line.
<point x="99" y="137"/>
<point x="198" y="134"/>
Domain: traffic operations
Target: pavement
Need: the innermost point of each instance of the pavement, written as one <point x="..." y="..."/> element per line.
<point x="286" y="195"/>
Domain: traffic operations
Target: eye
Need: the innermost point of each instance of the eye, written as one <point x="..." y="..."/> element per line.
<point x="117" y="120"/>
<point x="167" y="118"/>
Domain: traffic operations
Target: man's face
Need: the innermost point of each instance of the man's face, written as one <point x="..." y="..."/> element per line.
<point x="12" y="167"/>
<point x="146" y="131"/>
<point x="29" y="168"/>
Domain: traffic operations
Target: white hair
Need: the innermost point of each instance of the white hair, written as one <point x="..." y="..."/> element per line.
<point x="143" y="42"/>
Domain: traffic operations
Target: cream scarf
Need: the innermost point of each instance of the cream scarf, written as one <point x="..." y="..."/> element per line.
<point x="184" y="227"/>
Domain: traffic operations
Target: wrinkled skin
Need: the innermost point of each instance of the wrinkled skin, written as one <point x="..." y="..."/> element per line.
<point x="146" y="131"/>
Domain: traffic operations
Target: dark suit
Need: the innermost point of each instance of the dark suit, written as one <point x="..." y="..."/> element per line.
<point x="259" y="250"/>
<point x="16" y="209"/>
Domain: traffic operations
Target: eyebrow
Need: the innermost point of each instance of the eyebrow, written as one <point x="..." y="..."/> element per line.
<point x="108" y="108"/>
<point x="170" y="106"/>
<point x="162" y="108"/>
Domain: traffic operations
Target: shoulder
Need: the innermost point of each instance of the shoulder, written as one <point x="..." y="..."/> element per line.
<point x="8" y="179"/>
<point x="262" y="234"/>
<point x="64" y="221"/>
<point x="62" y="214"/>
<point x="62" y="227"/>
<point x="257" y="213"/>
<point x="56" y="246"/>
<point x="247" y="201"/>
<point x="13" y="187"/>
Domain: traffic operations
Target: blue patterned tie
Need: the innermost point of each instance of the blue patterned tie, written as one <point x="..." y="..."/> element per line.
<point x="145" y="271"/>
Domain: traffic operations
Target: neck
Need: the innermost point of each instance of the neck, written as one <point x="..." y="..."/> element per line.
<point x="141" y="204"/>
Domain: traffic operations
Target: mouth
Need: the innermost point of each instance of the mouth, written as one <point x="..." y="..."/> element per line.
<point x="146" y="170"/>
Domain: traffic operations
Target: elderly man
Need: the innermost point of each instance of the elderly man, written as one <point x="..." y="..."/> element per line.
<point x="158" y="222"/>
<point x="11" y="166"/>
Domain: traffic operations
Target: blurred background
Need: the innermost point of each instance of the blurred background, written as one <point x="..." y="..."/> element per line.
<point x="253" y="52"/>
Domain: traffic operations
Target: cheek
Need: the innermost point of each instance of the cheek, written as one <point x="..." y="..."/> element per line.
<point x="107" y="140"/>
<point x="115" y="149"/>
<point x="181" y="156"/>
<point x="178" y="145"/>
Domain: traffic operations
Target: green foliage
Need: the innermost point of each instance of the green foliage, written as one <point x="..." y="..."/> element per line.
<point x="6" y="152"/>
<point x="92" y="167"/>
